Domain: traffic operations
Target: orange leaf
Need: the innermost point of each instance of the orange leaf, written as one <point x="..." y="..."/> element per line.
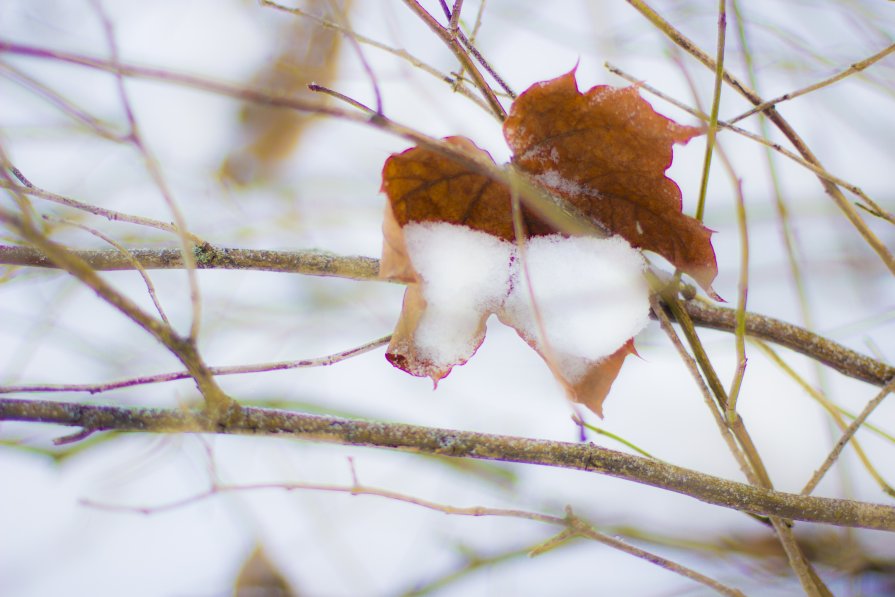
<point x="425" y="186"/>
<point x="605" y="152"/>
<point x="591" y="390"/>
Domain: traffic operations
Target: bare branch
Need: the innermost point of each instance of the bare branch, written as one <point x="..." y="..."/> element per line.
<point x="177" y="375"/>
<point x="460" y="444"/>
<point x="318" y="263"/>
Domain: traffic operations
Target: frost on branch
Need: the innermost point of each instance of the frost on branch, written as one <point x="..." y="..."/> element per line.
<point x="449" y="235"/>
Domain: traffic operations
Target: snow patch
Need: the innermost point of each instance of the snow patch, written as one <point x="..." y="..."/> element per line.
<point x="590" y="293"/>
<point x="464" y="275"/>
<point x="554" y="180"/>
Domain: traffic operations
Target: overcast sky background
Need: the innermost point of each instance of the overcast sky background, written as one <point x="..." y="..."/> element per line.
<point x="326" y="196"/>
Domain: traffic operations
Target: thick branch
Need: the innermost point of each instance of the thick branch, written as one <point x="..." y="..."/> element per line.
<point x="462" y="444"/>
<point x="834" y="355"/>
<point x="314" y="263"/>
<point x="317" y="263"/>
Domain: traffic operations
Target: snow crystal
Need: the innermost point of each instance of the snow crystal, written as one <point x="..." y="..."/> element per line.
<point x="554" y="180"/>
<point x="464" y="274"/>
<point x="590" y="293"/>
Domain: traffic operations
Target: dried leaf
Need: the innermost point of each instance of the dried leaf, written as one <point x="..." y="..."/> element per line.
<point x="605" y="152"/>
<point x="425" y="186"/>
<point x="591" y="390"/>
<point x="259" y="576"/>
<point x="306" y="53"/>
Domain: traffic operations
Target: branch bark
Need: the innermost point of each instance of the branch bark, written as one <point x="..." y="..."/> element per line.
<point x="460" y="444"/>
<point x="319" y="263"/>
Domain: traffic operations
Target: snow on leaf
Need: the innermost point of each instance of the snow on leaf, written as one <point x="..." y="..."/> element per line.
<point x="448" y="233"/>
<point x="591" y="297"/>
<point x="424" y="186"/>
<point x="461" y="279"/>
<point x="606" y="151"/>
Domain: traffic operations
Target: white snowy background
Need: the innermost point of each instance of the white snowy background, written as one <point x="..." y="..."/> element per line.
<point x="327" y="197"/>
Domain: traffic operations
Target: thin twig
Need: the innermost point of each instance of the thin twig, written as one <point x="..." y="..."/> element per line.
<point x="462" y="55"/>
<point x="456" y="85"/>
<point x="835" y="412"/>
<point x="341" y="97"/>
<point x="871" y="207"/>
<point x="150" y="287"/>
<point x="659" y="313"/>
<point x="832" y="190"/>
<point x="184" y="349"/>
<point x="62" y="103"/>
<point x="846" y="437"/>
<point x="352" y="38"/>
<point x="788" y="237"/>
<point x="574" y="525"/>
<point x="854" y="68"/>
<point x="155" y="172"/>
<point x="28" y="188"/>
<point x="174" y="376"/>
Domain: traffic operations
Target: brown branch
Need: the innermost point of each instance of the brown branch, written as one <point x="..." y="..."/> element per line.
<point x="460" y="444"/>
<point x="834" y="355"/>
<point x="453" y="43"/>
<point x="318" y="263"/>
<point x="574" y="526"/>
<point x="314" y="263"/>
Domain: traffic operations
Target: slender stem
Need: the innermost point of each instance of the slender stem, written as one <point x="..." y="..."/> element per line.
<point x="155" y="172"/>
<point x="574" y="525"/>
<point x="462" y="55"/>
<point x="849" y="210"/>
<point x="835" y="412"/>
<point x="693" y="368"/>
<point x="846" y="437"/>
<point x="716" y="104"/>
<point x="871" y="207"/>
<point x="854" y="68"/>
<point x="231" y="370"/>
<point x="457" y="85"/>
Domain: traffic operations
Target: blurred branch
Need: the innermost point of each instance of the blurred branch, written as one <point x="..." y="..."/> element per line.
<point x="574" y="525"/>
<point x="849" y="210"/>
<point x="319" y="263"/>
<point x="459" y="444"/>
<point x="452" y="40"/>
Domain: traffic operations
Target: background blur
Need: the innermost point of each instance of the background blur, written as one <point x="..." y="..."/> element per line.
<point x="249" y="178"/>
